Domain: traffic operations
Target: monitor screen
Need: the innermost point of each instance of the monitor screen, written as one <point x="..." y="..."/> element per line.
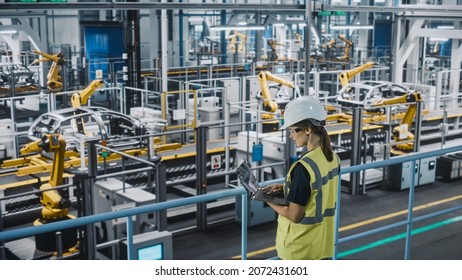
<point x="280" y="69"/>
<point x="153" y="252"/>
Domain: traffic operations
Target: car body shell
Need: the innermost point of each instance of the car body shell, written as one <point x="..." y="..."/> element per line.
<point x="98" y="123"/>
<point x="366" y="93"/>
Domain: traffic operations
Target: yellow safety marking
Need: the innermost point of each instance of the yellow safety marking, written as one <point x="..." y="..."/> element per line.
<point x="441" y="117"/>
<point x="18" y="184"/>
<point x="366" y="222"/>
<point x="402" y="212"/>
<point x="258" y="252"/>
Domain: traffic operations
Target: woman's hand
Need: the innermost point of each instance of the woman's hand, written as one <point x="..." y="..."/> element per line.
<point x="273" y="188"/>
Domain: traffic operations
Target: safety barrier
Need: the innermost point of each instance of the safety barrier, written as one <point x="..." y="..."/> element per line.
<point x="81" y="221"/>
<point x="410" y="219"/>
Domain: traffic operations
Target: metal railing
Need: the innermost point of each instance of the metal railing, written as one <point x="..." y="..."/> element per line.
<point x="410" y="219"/>
<point x="14" y="234"/>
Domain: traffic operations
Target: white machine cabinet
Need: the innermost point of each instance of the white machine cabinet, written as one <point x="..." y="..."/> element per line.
<point x="399" y="175"/>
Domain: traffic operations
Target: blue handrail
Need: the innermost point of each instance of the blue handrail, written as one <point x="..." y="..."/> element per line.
<point x="410" y="220"/>
<point x="14" y="234"/>
<point x="81" y="221"/>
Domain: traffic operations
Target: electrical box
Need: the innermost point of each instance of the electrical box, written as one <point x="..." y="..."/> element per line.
<point x="399" y="175"/>
<point x="7" y="149"/>
<point x="449" y="166"/>
<point x="104" y="199"/>
<point x="210" y="114"/>
<point x="259" y="212"/>
<point x="104" y="194"/>
<point x="274" y="147"/>
<point x="246" y="139"/>
<point x="136" y="197"/>
<point x="108" y="196"/>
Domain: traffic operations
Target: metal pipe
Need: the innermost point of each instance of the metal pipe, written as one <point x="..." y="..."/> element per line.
<point x="244" y="224"/>
<point x="307" y="42"/>
<point x="129" y="238"/>
<point x="33" y="192"/>
<point x="2" y="243"/>
<point x="121" y="173"/>
<point x="397" y="224"/>
<point x="59" y="244"/>
<point x="337" y="219"/>
<point x="80" y="221"/>
<point x="407" y="248"/>
<point x="161" y="195"/>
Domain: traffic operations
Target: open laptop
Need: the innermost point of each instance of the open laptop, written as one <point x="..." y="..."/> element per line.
<point x="248" y="180"/>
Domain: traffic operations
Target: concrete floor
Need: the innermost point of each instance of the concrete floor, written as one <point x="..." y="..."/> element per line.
<point x="437" y="238"/>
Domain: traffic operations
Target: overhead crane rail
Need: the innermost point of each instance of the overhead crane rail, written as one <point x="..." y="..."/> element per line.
<point x="293" y="8"/>
<point x="406" y="10"/>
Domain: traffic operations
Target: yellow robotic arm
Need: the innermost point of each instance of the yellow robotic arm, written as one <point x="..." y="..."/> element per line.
<point x="81" y="97"/>
<point x="348" y="45"/>
<point x="54" y="79"/>
<point x="54" y="206"/>
<point x="406" y="121"/>
<point x="268" y="103"/>
<point x="436" y="48"/>
<point x="232" y="43"/>
<point x="329" y="45"/>
<point x="346" y="76"/>
<point x="299" y="38"/>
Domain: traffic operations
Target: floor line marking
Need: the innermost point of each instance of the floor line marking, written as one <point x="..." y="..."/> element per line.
<point x="359" y="224"/>
<point x="402" y="212"/>
<point x="398" y="237"/>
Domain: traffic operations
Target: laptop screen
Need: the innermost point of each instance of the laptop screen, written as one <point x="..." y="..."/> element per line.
<point x="246" y="176"/>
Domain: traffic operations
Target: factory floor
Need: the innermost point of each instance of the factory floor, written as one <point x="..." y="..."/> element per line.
<point x="435" y="239"/>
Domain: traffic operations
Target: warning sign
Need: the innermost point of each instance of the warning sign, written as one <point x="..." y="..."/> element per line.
<point x="403" y="131"/>
<point x="216" y="162"/>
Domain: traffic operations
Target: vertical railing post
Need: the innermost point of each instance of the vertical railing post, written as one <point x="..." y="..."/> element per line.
<point x="414" y="172"/>
<point x="201" y="175"/>
<point x="86" y="181"/>
<point x="337" y="218"/>
<point x="244" y="216"/>
<point x="130" y="238"/>
<point x="356" y="147"/>
<point x="161" y="195"/>
<point x="2" y="243"/>
<point x="59" y="245"/>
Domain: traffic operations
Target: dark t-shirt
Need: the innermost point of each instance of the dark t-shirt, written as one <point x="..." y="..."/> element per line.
<point x="300" y="190"/>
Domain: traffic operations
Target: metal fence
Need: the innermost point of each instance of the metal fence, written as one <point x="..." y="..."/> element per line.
<point x="14" y="234"/>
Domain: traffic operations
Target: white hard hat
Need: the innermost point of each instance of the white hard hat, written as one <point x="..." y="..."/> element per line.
<point x="302" y="108"/>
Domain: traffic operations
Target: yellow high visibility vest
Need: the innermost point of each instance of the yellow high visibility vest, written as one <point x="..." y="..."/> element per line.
<point x="313" y="237"/>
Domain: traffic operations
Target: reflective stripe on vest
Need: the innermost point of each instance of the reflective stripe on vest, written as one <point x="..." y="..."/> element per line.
<point x="317" y="184"/>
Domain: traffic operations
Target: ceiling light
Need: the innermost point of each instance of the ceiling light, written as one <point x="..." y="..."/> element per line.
<point x="445" y="27"/>
<point x="245" y="27"/>
<point x="295" y="18"/>
<point x="439" y="39"/>
<point x="8" y="31"/>
<point x="351" y="27"/>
